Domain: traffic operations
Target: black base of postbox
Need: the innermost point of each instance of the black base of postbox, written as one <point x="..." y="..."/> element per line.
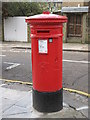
<point x="48" y="101"/>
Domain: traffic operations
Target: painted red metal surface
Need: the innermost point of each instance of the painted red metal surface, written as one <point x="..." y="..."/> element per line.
<point x="47" y="67"/>
<point x="46" y="17"/>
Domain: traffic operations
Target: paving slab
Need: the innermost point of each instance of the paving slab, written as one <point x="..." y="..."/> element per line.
<point x="13" y="94"/>
<point x="0" y="117"/>
<point x="14" y="110"/>
<point x="75" y="47"/>
<point x="27" y="100"/>
<point x="0" y="111"/>
<point x="0" y="92"/>
<point x="7" y="103"/>
<point x="0" y="82"/>
<point x="17" y="86"/>
<point x="65" y="113"/>
<point x="0" y="105"/>
<point x="66" y="46"/>
<point x="18" y="108"/>
<point x="71" y="99"/>
<point x="84" y="112"/>
<point x="22" y="115"/>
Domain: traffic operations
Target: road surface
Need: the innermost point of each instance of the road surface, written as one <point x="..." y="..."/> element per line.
<point x="16" y="65"/>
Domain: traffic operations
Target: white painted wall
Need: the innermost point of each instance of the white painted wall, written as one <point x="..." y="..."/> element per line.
<point x="15" y="29"/>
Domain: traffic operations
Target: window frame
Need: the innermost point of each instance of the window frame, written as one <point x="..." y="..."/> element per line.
<point x="74" y="24"/>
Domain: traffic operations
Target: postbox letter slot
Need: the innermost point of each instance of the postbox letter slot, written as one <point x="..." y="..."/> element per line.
<point x="43" y="31"/>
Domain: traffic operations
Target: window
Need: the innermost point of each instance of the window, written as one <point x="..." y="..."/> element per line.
<point x="74" y="25"/>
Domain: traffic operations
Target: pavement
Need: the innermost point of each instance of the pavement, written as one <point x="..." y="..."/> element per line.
<point x="18" y="104"/>
<point x="66" y="46"/>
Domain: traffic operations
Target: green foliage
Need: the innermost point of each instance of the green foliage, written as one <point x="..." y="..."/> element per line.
<point x="50" y="6"/>
<point x="20" y="8"/>
<point x="44" y="6"/>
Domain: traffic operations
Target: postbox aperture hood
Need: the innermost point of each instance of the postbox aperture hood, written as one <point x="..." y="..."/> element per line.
<point x="46" y="17"/>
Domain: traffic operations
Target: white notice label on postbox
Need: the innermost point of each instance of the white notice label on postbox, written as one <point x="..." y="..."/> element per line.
<point x="42" y="44"/>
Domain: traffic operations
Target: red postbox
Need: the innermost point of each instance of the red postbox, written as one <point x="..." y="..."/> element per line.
<point x="46" y="46"/>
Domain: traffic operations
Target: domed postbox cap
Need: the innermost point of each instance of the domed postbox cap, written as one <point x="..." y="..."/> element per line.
<point x="46" y="17"/>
